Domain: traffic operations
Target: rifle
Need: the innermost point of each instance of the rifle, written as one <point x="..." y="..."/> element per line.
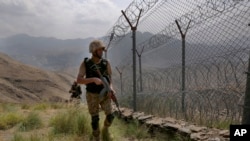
<point x="107" y="89"/>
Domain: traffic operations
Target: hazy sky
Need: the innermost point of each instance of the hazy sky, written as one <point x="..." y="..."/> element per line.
<point x="63" y="19"/>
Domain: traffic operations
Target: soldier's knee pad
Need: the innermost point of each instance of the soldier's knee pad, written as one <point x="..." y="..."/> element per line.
<point x="95" y="122"/>
<point x="110" y="118"/>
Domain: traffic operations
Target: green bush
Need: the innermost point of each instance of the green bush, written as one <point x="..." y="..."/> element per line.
<point x="8" y="107"/>
<point x="70" y="122"/>
<point x="32" y="121"/>
<point x="33" y="137"/>
<point x="136" y="130"/>
<point x="18" y="137"/>
<point x="41" y="106"/>
<point x="56" y="105"/>
<point x="8" y="120"/>
<point x="25" y="106"/>
<point x="222" y="124"/>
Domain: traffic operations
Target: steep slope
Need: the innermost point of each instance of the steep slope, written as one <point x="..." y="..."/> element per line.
<point x="23" y="83"/>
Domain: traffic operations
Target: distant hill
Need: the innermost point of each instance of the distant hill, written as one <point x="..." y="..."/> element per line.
<point x="46" y="53"/>
<point x="123" y="48"/>
<point x="23" y="83"/>
<point x="66" y="55"/>
<point x="168" y="53"/>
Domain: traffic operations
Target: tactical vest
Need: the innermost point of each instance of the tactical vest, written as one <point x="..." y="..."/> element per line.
<point x="91" y="72"/>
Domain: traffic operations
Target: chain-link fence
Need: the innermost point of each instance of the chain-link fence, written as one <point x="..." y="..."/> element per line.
<point x="217" y="46"/>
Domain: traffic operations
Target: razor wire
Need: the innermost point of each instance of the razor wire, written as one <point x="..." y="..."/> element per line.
<point x="215" y="89"/>
<point x="201" y="13"/>
<point x="121" y="27"/>
<point x="217" y="52"/>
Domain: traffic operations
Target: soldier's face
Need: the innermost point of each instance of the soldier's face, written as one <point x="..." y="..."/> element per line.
<point x="98" y="53"/>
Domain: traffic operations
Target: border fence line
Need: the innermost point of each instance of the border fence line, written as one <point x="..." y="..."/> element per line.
<point x="217" y="52"/>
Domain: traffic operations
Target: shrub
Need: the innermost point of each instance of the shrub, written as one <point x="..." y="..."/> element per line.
<point x="18" y="137"/>
<point x="70" y="122"/>
<point x="33" y="137"/>
<point x="8" y="120"/>
<point x="41" y="106"/>
<point x="32" y="121"/>
<point x="136" y="130"/>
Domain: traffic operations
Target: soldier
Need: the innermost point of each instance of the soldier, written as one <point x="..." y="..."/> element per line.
<point x="76" y="91"/>
<point x="88" y="75"/>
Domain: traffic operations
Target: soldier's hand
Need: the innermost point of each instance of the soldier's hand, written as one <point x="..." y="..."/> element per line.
<point x="97" y="81"/>
<point x="110" y="93"/>
<point x="113" y="91"/>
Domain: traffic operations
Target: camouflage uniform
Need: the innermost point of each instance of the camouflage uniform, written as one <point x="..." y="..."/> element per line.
<point x="92" y="95"/>
<point x="93" y="101"/>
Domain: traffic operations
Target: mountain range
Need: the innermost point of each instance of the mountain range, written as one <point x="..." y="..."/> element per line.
<point x="67" y="55"/>
<point x="22" y="83"/>
<point x="46" y="53"/>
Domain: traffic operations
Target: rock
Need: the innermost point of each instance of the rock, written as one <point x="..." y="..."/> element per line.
<point x="127" y="113"/>
<point x="155" y="121"/>
<point x="171" y="126"/>
<point x="143" y="118"/>
<point x="185" y="131"/>
<point x="169" y="120"/>
<point x="196" y="128"/>
<point x="198" y="136"/>
<point x="182" y="123"/>
<point x="136" y="115"/>
<point x="122" y="109"/>
<point x="224" y="133"/>
<point x="214" y="139"/>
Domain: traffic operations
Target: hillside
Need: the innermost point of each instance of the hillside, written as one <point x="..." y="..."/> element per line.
<point x="23" y="83"/>
<point x="44" y="52"/>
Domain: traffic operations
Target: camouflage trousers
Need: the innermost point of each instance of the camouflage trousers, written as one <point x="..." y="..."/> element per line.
<point x="94" y="103"/>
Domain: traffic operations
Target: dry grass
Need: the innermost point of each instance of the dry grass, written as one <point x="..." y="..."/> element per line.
<point x="62" y="122"/>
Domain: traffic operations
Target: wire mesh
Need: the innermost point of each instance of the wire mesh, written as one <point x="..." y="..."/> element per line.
<point x="217" y="52"/>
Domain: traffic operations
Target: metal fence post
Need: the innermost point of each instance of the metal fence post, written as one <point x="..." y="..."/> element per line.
<point x="183" y="36"/>
<point x="140" y="71"/>
<point x="246" y="106"/>
<point x="133" y="28"/>
<point x="120" y="72"/>
<point x="110" y="39"/>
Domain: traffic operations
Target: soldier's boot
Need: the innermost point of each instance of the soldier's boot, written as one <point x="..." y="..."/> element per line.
<point x="95" y="127"/>
<point x="106" y="136"/>
<point x="96" y="135"/>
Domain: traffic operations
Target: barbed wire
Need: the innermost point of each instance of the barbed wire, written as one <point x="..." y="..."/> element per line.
<point x="217" y="53"/>
<point x="202" y="13"/>
<point x="121" y="27"/>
